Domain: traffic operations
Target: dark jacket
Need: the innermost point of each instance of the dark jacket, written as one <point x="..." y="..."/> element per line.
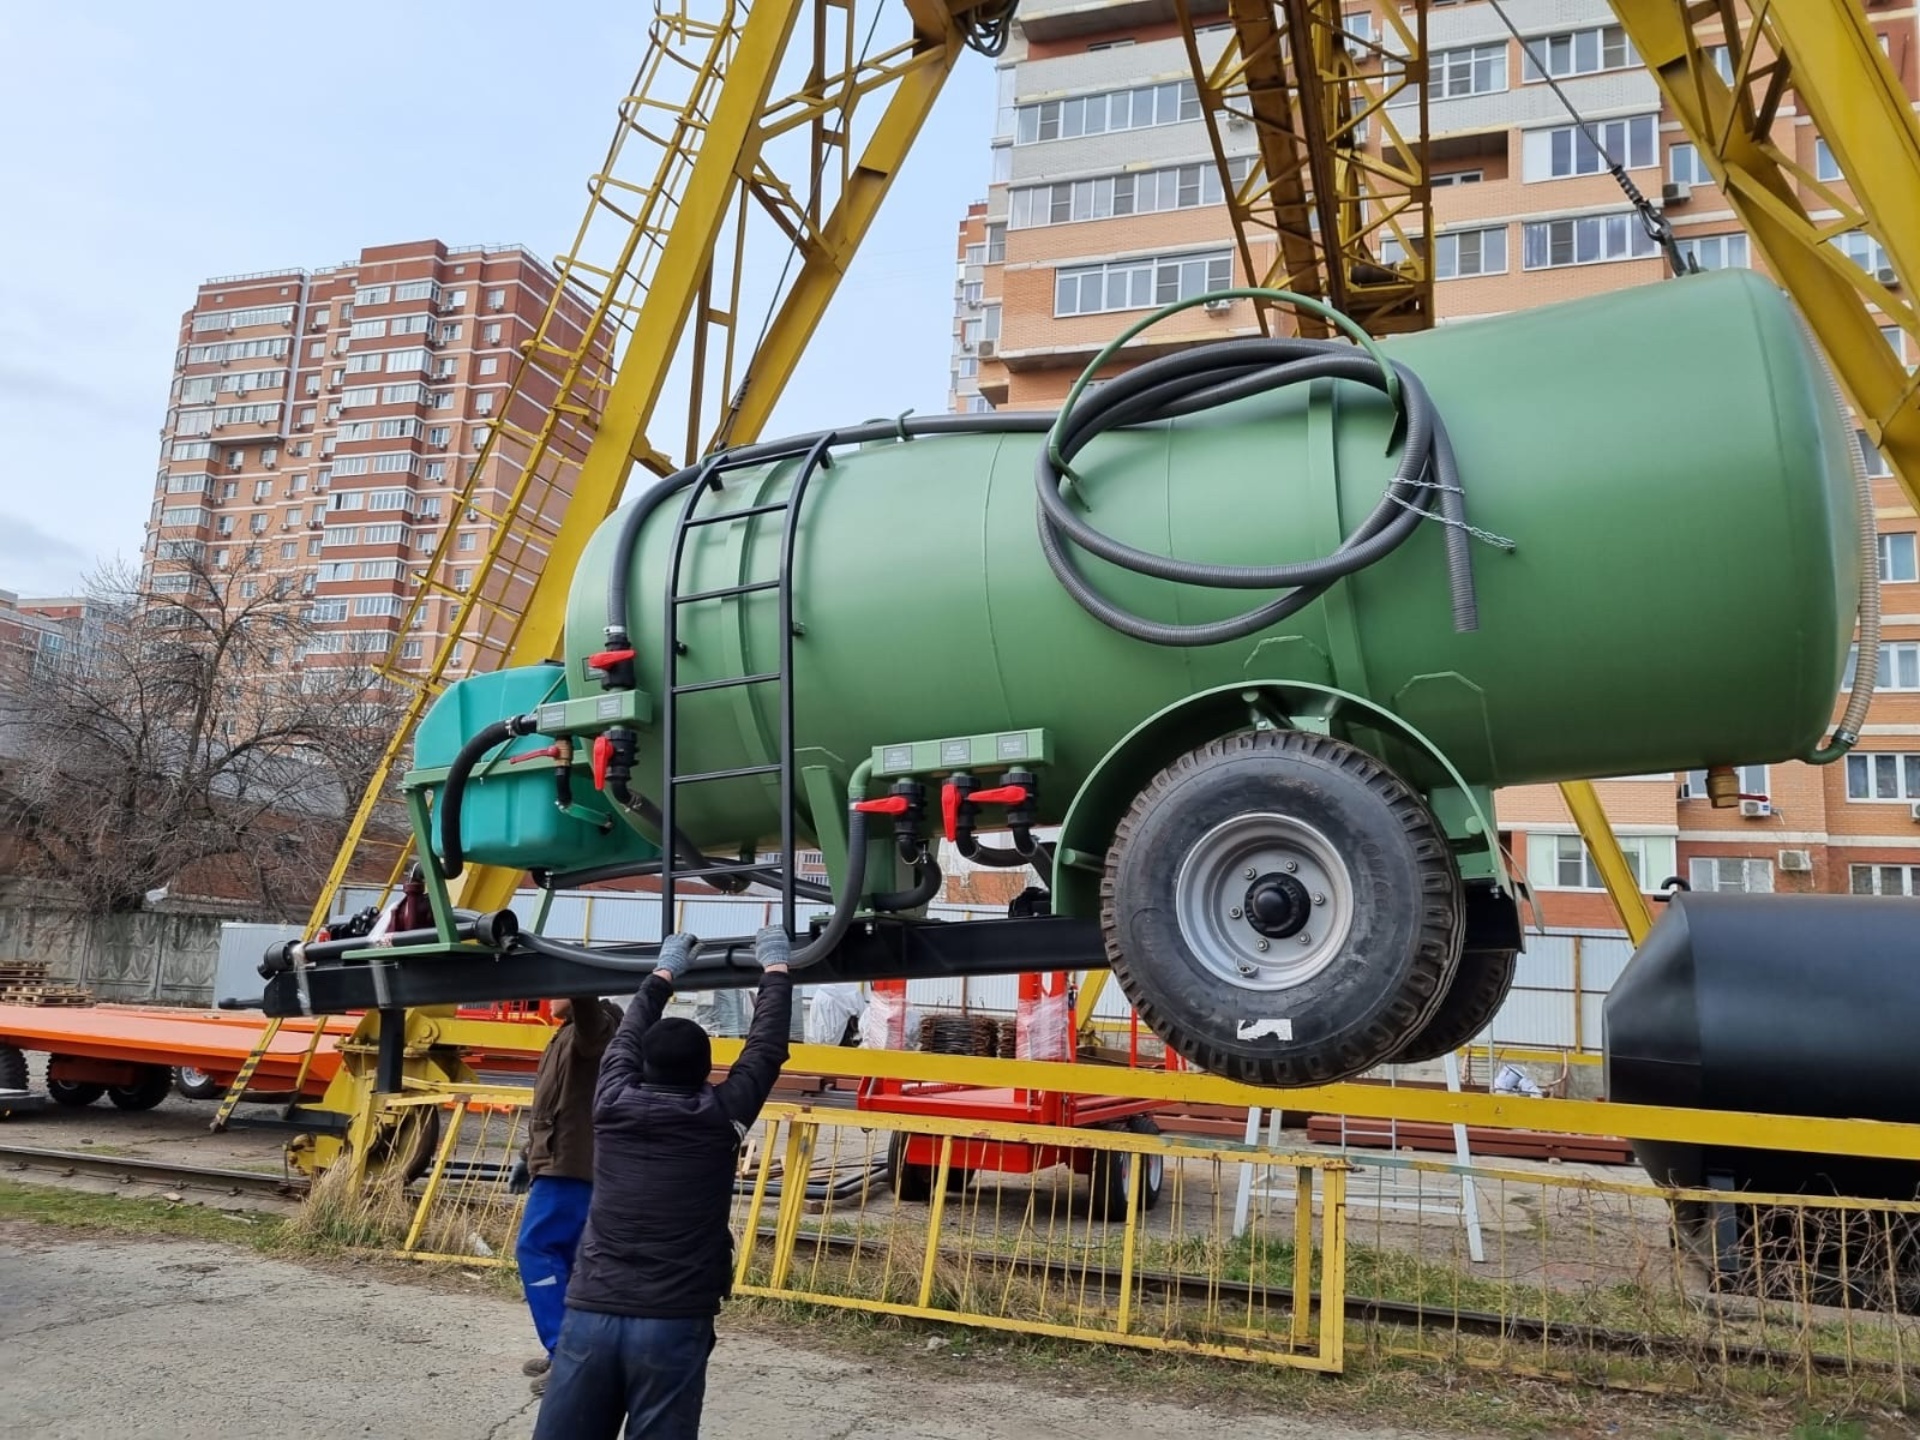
<point x="657" y="1243"/>
<point x="560" y="1129"/>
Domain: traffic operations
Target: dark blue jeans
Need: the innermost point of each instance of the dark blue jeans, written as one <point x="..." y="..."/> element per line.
<point x="651" y="1374"/>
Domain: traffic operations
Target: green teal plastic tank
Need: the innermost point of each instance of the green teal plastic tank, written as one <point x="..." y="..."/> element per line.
<point x="1670" y="464"/>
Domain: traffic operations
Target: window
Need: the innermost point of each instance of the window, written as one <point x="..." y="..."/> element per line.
<point x="184" y="515"/>
<point x="1863" y="250"/>
<point x="346" y="500"/>
<point x="1891" y="334"/>
<point x="443" y="399"/>
<point x="224" y="525"/>
<point x="1136" y="109"/>
<point x="1685" y="167"/>
<point x="480" y="436"/>
<point x="1897" y="566"/>
<point x="359" y="365"/>
<point x="976" y="254"/>
<point x="1747" y="780"/>
<point x="373" y="295"/>
<point x="1180" y="187"/>
<point x="417" y="290"/>
<point x="368" y="605"/>
<point x="319" y="319"/>
<point x="496" y="299"/>
<point x="462" y="579"/>
<point x="439" y="435"/>
<point x="192" y="450"/>
<point x="359" y="395"/>
<point x="258" y="524"/>
<point x="262" y="490"/>
<point x="468" y="540"/>
<point x="409" y="394"/>
<point x="1883" y="776"/>
<point x="322" y="611"/>
<point x="220" y="559"/>
<point x="234" y="319"/>
<point x="490" y="365"/>
<point x="1825" y="167"/>
<point x="1884" y="879"/>
<point x="401" y="429"/>
<point x="491" y="334"/>
<point x="1451" y="74"/>
<point x="1561" y="862"/>
<point x="410" y="650"/>
<point x="430" y="508"/>
<point x="968" y="367"/>
<point x="455" y="300"/>
<point x="394" y="462"/>
<point x="1716" y="252"/>
<point x="1727" y="873"/>
<point x="400" y="361"/>
<point x="972" y="293"/>
<point x="230" y="489"/>
<point x="249" y="589"/>
<point x="1450" y="178"/>
<point x="356" y="430"/>
<point x="389" y="500"/>
<point x="436" y="471"/>
<point x="1139" y="284"/>
<point x="289" y="549"/>
<point x="1871" y="457"/>
<point x="1721" y="58"/>
<point x="384" y="535"/>
<point x="1899" y="666"/>
<point x="996" y="243"/>
<point x="411" y="324"/>
<point x="368" y="330"/>
<point x="449" y="332"/>
<point x="1553" y="243"/>
<point x="1458" y="253"/>
<point x="1577" y="52"/>
<point x="1556" y="154"/>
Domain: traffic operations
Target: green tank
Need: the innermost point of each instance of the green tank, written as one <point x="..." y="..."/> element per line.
<point x="1285" y="837"/>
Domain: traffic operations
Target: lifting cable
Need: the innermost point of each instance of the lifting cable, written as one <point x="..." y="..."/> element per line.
<point x="1652" y="219"/>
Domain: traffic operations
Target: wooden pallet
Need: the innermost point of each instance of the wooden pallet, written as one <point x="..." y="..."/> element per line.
<point x="20" y="971"/>
<point x="41" y="996"/>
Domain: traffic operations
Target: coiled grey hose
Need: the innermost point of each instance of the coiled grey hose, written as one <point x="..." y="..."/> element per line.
<point x="1425" y="484"/>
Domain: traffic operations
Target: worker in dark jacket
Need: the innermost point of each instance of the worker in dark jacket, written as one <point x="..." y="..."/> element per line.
<point x="657" y="1258"/>
<point x="556" y="1170"/>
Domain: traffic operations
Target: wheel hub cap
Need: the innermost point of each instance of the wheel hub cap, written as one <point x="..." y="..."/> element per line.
<point x="1265" y="901"/>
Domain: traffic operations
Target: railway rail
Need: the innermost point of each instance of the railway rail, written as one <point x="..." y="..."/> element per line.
<point x="127" y="1168"/>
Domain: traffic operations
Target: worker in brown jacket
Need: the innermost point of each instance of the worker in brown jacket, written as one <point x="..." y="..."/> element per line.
<point x="556" y="1169"/>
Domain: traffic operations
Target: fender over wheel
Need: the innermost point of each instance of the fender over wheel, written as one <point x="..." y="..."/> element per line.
<point x="1282" y="909"/>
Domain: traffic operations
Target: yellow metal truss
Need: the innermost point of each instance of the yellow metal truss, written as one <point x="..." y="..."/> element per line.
<point x="1324" y="197"/>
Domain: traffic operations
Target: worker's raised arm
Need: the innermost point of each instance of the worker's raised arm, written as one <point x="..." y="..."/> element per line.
<point x="594" y="1022"/>
<point x="750" y="1080"/>
<point x="621" y="1067"/>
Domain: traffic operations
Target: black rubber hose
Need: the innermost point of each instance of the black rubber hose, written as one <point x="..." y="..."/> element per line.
<point x="825" y="943"/>
<point x="452" y="791"/>
<point x="927" y="881"/>
<point x="808" y="889"/>
<point x="1425" y="480"/>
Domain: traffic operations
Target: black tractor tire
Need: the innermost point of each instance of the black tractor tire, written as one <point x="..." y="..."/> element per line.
<point x="1380" y="956"/>
<point x="1112" y="1175"/>
<point x="154" y="1084"/>
<point x="406" y="1148"/>
<point x="74" y="1094"/>
<point x="1478" y="991"/>
<point x="908" y="1182"/>
<point x="13" y="1068"/>
<point x="197" y="1084"/>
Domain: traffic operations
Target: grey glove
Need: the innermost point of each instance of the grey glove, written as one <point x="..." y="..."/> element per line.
<point x="676" y="954"/>
<point x="519" y="1180"/>
<point x="771" y="947"/>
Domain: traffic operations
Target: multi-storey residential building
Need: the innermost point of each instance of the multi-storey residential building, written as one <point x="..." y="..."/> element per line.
<point x="321" y="425"/>
<point x="1105" y="203"/>
<point x="38" y="635"/>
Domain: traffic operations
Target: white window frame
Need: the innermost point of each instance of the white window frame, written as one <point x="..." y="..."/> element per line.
<point x="1872" y="879"/>
<point x="1895" y="656"/>
<point x="1606" y="232"/>
<point x="1710" y="874"/>
<point x="1731" y="251"/>
<point x="1899" y="562"/>
<point x="1561" y="51"/>
<point x="1562" y="152"/>
<point x="1883" y="777"/>
<point x="1550" y="852"/>
<point x="1155" y="270"/>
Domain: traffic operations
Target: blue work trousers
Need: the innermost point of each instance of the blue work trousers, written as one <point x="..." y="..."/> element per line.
<point x="550" y="1229"/>
<point x="651" y="1374"/>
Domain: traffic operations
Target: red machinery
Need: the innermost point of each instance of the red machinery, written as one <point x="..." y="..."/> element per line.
<point x="912" y="1160"/>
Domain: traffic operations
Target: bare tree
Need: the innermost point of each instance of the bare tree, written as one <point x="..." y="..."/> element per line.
<point x="196" y="744"/>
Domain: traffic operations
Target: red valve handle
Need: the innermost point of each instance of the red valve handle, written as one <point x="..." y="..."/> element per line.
<point x="607" y="659"/>
<point x="950" y="799"/>
<point x="1005" y="795"/>
<point x="602" y="758"/>
<point x="891" y="805"/>
<point x="552" y="752"/>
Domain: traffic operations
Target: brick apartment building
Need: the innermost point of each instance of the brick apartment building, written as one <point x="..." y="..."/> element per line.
<point x="321" y="423"/>
<point x="39" y="634"/>
<point x="1104" y="203"/>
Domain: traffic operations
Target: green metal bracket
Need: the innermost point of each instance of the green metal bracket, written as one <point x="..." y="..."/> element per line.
<point x="1003" y="749"/>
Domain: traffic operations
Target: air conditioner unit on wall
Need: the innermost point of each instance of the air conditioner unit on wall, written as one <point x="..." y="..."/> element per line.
<point x="1916" y="810"/>
<point x="1796" y="862"/>
<point x="986" y="349"/>
<point x="1755" y="809"/>
<point x="1676" y="192"/>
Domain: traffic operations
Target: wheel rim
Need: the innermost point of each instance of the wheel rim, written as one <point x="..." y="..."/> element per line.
<point x="193" y="1078"/>
<point x="1264" y="901"/>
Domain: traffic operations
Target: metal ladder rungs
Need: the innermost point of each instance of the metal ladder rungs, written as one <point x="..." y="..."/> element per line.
<point x="726" y="592"/>
<point x="730" y="683"/>
<point x="749" y="511"/>
<point x="701" y="777"/>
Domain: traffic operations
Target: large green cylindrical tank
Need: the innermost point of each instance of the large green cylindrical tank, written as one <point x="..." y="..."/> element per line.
<point x="1669" y="463"/>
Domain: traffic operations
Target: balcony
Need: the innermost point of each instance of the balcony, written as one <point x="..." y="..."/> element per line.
<point x="1062" y="19"/>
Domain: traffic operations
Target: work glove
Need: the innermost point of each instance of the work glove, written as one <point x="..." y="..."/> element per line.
<point x="519" y="1179"/>
<point x="676" y="954"/>
<point x="771" y="947"/>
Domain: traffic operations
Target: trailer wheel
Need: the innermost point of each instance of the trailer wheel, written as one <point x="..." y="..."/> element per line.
<point x="197" y="1084"/>
<point x="74" y="1093"/>
<point x="148" y="1090"/>
<point x="908" y="1182"/>
<point x="1112" y="1175"/>
<point x="1282" y="909"/>
<point x="1478" y="991"/>
<point x="13" y="1068"/>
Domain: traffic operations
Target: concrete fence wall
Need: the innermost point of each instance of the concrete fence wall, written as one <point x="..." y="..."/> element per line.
<point x="163" y="956"/>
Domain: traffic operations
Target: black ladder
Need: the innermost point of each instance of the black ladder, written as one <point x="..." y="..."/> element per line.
<point x="813" y="457"/>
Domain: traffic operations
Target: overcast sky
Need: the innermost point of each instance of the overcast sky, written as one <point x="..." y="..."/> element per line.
<point x="149" y="147"/>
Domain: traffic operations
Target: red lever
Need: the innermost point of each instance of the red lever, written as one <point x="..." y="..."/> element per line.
<point x="552" y="752"/>
<point x="950" y="798"/>
<point x="607" y="659"/>
<point x="892" y="805"/>
<point x="1005" y="795"/>
<point x="602" y="757"/>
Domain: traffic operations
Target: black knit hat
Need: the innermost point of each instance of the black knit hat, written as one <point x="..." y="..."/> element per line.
<point x="676" y="1053"/>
